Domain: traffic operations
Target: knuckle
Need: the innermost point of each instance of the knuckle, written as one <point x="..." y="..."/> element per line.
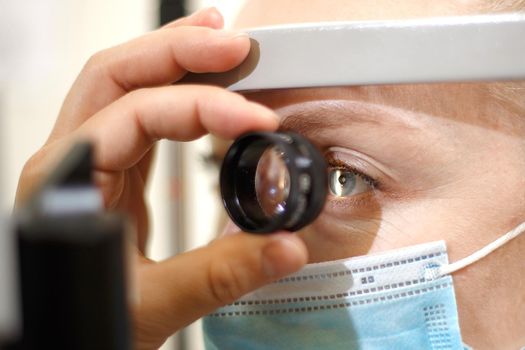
<point x="225" y="282"/>
<point x="96" y="63"/>
<point x="210" y="96"/>
<point x="96" y="59"/>
<point x="30" y="178"/>
<point x="134" y="99"/>
<point x="137" y="93"/>
<point x="112" y="186"/>
<point x="33" y="166"/>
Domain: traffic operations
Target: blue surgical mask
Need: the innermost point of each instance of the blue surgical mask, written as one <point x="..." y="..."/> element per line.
<point x="402" y="299"/>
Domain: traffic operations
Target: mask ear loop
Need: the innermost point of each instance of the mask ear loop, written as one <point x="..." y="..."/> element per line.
<point x="480" y="254"/>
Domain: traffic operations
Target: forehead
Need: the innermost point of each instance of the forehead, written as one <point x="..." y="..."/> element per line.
<point x="467" y="103"/>
<point x="472" y="103"/>
<point x="256" y="13"/>
<point x="414" y="96"/>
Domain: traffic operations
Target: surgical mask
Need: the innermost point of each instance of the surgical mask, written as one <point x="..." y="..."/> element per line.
<point x="402" y="299"/>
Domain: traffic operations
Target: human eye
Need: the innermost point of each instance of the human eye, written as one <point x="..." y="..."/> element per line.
<point x="345" y="180"/>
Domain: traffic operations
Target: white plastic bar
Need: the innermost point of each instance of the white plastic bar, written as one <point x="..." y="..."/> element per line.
<point x="447" y="49"/>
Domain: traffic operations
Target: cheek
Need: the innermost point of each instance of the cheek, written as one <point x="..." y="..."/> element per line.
<point x="492" y="289"/>
<point x="483" y="199"/>
<point x="394" y="226"/>
<point x="342" y="230"/>
<point x="334" y="239"/>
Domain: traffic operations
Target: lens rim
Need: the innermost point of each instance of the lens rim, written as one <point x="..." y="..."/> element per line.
<point x="237" y="182"/>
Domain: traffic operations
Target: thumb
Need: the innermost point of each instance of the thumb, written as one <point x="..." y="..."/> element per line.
<point x="184" y="288"/>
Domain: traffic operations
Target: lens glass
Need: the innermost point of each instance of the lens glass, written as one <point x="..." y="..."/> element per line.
<point x="272" y="182"/>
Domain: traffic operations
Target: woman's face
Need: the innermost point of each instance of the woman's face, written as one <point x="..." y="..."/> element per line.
<point x="408" y="164"/>
<point x="413" y="164"/>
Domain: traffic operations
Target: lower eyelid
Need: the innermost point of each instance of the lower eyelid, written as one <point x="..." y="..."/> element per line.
<point x="348" y="210"/>
<point x="359" y="200"/>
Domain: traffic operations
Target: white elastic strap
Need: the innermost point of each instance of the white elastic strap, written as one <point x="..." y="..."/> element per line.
<point x="483" y="252"/>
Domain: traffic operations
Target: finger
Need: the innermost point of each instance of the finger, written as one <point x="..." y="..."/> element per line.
<point x="158" y="58"/>
<point x="145" y="163"/>
<point x="182" y="289"/>
<point x="208" y="17"/>
<point x="164" y="56"/>
<point x="124" y="131"/>
<point x="78" y="108"/>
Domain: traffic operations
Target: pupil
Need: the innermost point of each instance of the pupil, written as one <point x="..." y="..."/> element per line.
<point x="342" y="179"/>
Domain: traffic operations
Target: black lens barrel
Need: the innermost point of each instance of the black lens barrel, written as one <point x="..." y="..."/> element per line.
<point x="308" y="182"/>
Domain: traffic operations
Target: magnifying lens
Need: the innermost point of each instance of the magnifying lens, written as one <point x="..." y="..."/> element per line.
<point x="273" y="181"/>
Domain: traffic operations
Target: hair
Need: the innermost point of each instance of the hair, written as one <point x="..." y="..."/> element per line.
<point x="491" y="6"/>
<point x="509" y="95"/>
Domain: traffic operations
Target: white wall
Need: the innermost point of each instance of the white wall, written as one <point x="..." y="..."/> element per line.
<point x="43" y="46"/>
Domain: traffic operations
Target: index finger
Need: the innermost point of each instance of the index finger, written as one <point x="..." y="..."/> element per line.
<point x="157" y="58"/>
<point x="208" y="17"/>
<point x="124" y="131"/>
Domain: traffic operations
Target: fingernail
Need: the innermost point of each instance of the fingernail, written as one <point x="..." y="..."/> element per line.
<point x="231" y="34"/>
<point x="210" y="12"/>
<point x="266" y="112"/>
<point x="214" y="13"/>
<point x="202" y="11"/>
<point x="229" y="228"/>
<point x="283" y="255"/>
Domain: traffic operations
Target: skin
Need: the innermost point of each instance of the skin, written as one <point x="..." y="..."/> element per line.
<point x="123" y="102"/>
<point x="447" y="159"/>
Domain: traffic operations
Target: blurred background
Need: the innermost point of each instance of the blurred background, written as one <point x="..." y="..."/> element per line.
<point x="43" y="46"/>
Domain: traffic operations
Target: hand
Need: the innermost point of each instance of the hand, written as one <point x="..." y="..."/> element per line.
<point x="123" y="102"/>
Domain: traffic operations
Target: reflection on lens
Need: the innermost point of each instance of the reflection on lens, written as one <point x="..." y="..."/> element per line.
<point x="272" y="182"/>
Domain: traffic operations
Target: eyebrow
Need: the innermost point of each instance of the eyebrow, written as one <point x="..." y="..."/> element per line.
<point x="329" y="114"/>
